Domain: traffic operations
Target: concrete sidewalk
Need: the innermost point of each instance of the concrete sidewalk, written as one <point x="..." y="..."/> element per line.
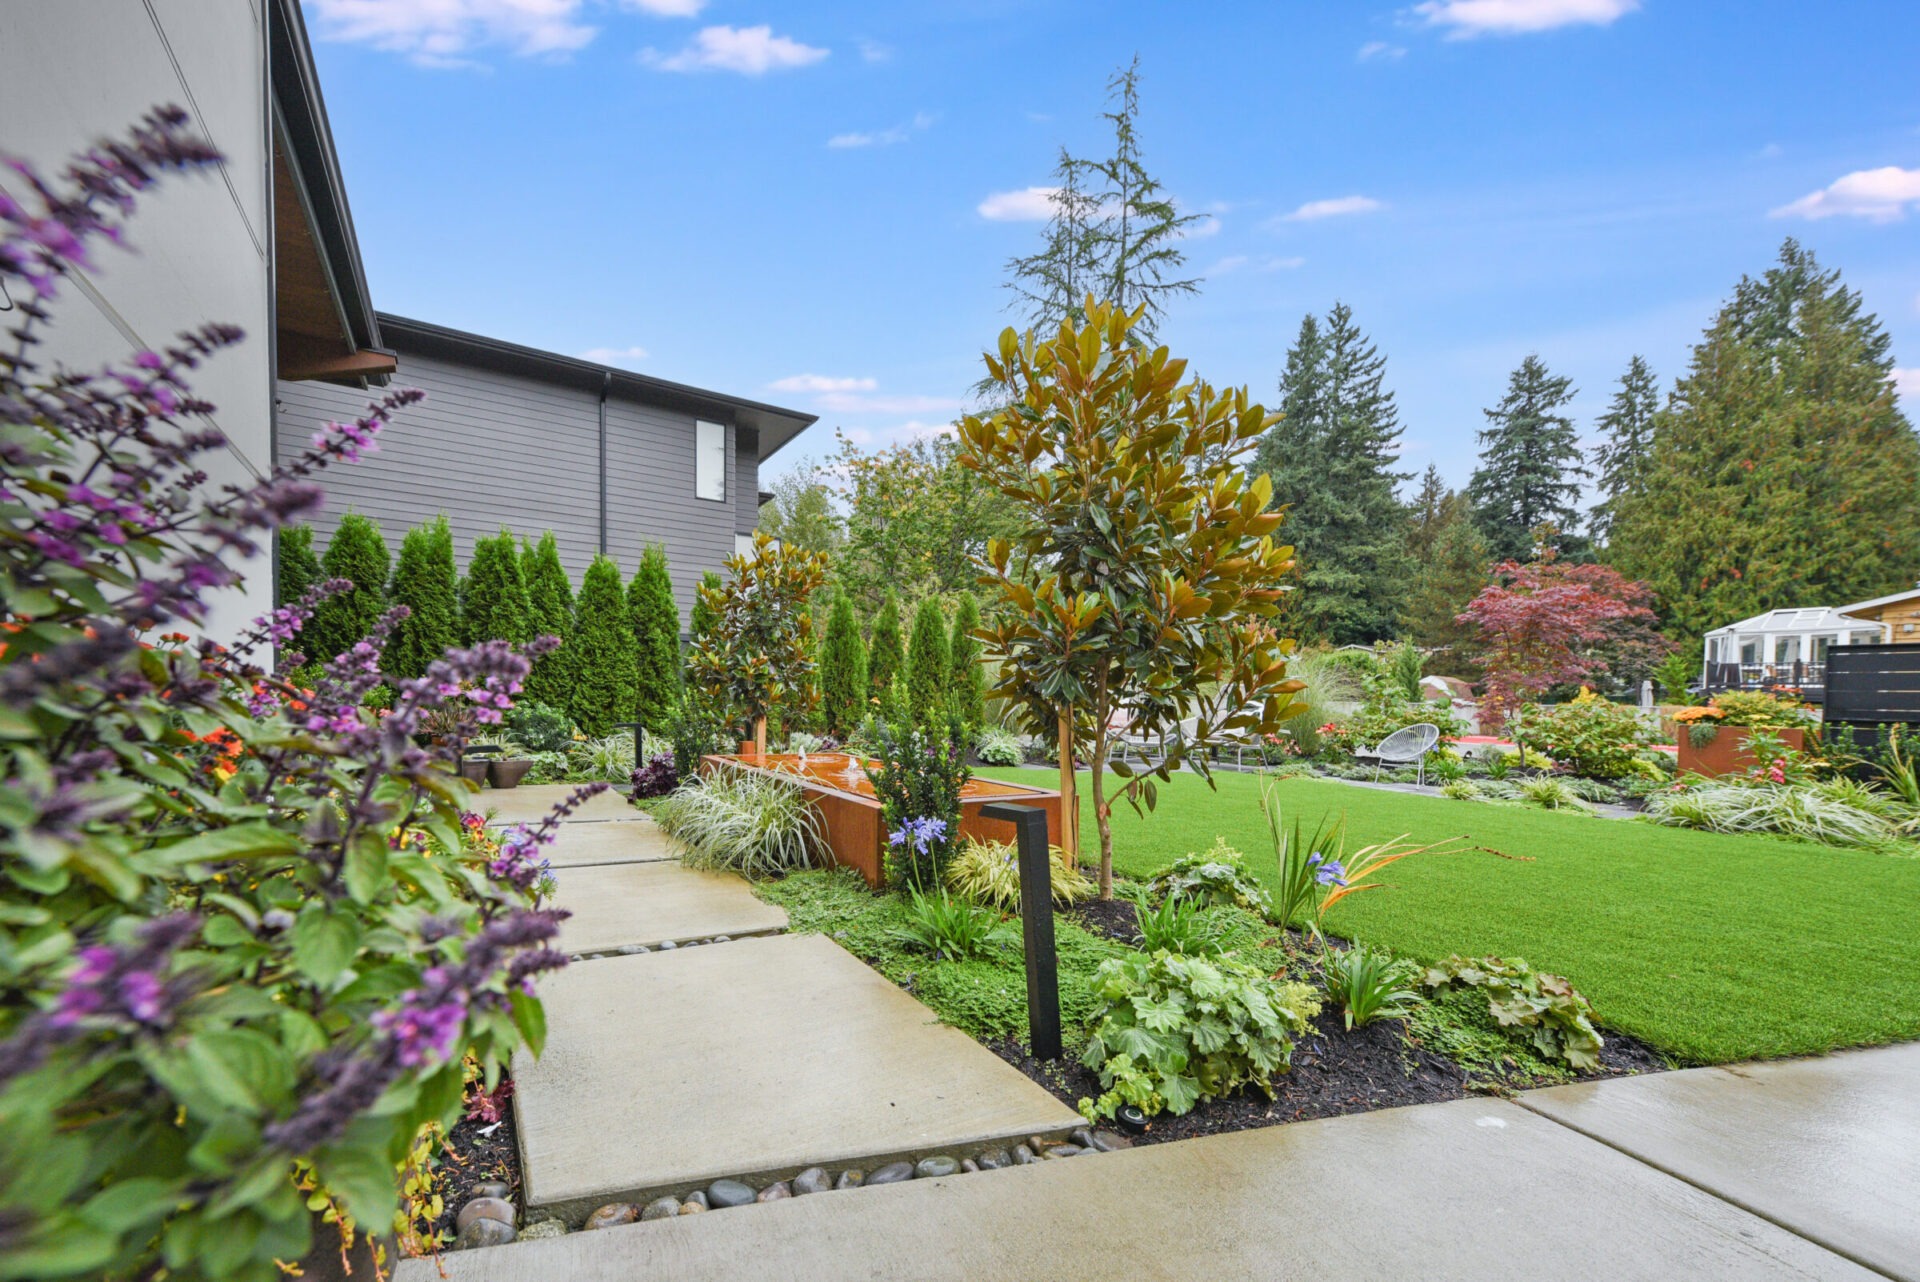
<point x="531" y="802"/>
<point x="617" y="906"/>
<point x="637" y="840"/>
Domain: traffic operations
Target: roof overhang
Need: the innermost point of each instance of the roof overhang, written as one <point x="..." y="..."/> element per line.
<point x="775" y="425"/>
<point x="324" y="322"/>
<point x="1878" y="602"/>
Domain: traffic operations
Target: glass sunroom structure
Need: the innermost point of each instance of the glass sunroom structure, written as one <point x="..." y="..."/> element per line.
<point x="1781" y="650"/>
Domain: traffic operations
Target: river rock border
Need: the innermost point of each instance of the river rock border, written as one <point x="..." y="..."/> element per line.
<point x="487" y="1217"/>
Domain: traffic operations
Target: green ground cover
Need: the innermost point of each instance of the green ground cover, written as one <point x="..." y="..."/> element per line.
<point x="1710" y="947"/>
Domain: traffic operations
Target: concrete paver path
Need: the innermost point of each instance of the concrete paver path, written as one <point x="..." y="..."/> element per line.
<point x="751" y="1059"/>
<point x="531" y="802"/>
<point x="1829" y="1148"/>
<point x="621" y="905"/>
<point x="1476" y="1189"/>
<point x="618" y="841"/>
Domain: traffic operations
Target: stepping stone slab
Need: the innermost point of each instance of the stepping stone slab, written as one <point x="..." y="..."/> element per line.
<point x="1828" y="1147"/>
<point x="646" y="905"/>
<point x="531" y="803"/>
<point x="618" y="841"/>
<point x="1505" y="1195"/>
<point x="747" y="1061"/>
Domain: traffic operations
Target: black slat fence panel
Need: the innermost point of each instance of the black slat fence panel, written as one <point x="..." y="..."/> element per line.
<point x="1871" y="684"/>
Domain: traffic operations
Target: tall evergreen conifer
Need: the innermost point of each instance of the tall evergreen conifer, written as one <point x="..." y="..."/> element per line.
<point x="1530" y="465"/>
<point x="1451" y="561"/>
<point x="929" y="663"/>
<point x="493" y="606"/>
<point x="549" y="613"/>
<point x="967" y="688"/>
<point x="1620" y="460"/>
<point x="656" y="631"/>
<point x="423" y="581"/>
<point x="357" y="552"/>
<point x="886" y="652"/>
<point x="605" y="668"/>
<point x="844" y="692"/>
<point x="704" y="619"/>
<point x="295" y="567"/>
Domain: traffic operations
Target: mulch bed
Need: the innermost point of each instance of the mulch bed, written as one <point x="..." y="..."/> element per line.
<point x="477" y="1152"/>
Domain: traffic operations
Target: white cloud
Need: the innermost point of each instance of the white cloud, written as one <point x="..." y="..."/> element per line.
<point x="1208" y="225"/>
<point x="1380" y="49"/>
<point x="1877" y="195"/>
<point x="751" y="51"/>
<point x="874" y="51"/>
<point x="614" y="355"/>
<point x="666" y="8"/>
<point x="858" y="403"/>
<point x="1257" y="263"/>
<point x="821" y="383"/>
<point x="885" y="137"/>
<point x="1028" y="205"/>
<point x="1906" y="382"/>
<point x="1464" y="19"/>
<point x="441" y="33"/>
<point x="1772" y="151"/>
<point x="1337" y="207"/>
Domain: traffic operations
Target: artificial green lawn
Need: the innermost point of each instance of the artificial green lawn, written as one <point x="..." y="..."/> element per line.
<point x="1710" y="947"/>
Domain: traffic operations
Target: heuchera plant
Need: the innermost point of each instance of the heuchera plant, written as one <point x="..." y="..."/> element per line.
<point x="245" y="936"/>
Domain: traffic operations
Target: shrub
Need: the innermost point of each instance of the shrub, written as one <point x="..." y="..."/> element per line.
<point x="548" y="767"/>
<point x="918" y="782"/>
<point x="493" y="601"/>
<point x="695" y="731"/>
<point x="1406" y="669"/>
<point x="540" y="728"/>
<point x="1759" y="710"/>
<point x="296" y="570"/>
<point x="1805" y="811"/>
<point x="604" y="669"/>
<point x="1589" y="735"/>
<point x="704" y="617"/>
<point x="1548" y="793"/>
<point x="886" y="654"/>
<point x="609" y="757"/>
<point x="998" y="746"/>
<point x="1176" y="926"/>
<point x="1172" y="1031"/>
<point x="245" y="935"/>
<point x="1326" y="684"/>
<point x="358" y="554"/>
<point x="657" y="777"/>
<point x="1544" y="1009"/>
<point x="967" y="686"/>
<point x="423" y="581"/>
<point x="988" y="872"/>
<point x="1220" y="876"/>
<point x="1676" y="673"/>
<point x="844" y="690"/>
<point x="742" y="820"/>
<point x="1369" y="984"/>
<point x="929" y="664"/>
<point x="655" y="620"/>
<point x="549" y="614"/>
<point x="758" y="653"/>
<point x="954" y="928"/>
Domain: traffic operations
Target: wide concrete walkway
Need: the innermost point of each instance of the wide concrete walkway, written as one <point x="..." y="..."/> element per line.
<point x="616" y="841"/>
<point x="531" y="802"/>
<point x="1476" y="1189"/>
<point x="627" y="905"/>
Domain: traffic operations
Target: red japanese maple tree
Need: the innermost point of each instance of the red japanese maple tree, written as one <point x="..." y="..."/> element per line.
<point x="1544" y="623"/>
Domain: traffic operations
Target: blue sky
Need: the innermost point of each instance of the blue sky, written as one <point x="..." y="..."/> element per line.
<point x="812" y="204"/>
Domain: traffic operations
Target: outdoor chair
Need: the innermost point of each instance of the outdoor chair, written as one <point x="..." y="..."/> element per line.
<point x="1405" y="747"/>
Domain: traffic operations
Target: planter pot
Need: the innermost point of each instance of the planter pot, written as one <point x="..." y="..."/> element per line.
<point x="474" y="770"/>
<point x="508" y="774"/>
<point x="1728" y="753"/>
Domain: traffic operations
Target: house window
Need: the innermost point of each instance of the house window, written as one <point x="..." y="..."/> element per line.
<point x="1750" y="651"/>
<point x="1786" y="649"/>
<point x="710" y="462"/>
<point x="1820" y="645"/>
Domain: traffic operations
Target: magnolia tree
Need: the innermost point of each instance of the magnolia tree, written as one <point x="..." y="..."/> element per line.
<point x="758" y="652"/>
<point x="1548" y="623"/>
<point x="246" y="931"/>
<point x="1144" y="583"/>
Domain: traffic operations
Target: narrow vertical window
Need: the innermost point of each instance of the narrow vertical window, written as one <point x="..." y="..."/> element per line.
<point x="710" y="462"/>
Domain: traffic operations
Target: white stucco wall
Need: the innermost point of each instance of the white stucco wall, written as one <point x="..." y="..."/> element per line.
<point x="72" y="71"/>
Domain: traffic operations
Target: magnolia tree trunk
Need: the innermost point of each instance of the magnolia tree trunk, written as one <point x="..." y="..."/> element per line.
<point x="760" y="736"/>
<point x="1069" y="801"/>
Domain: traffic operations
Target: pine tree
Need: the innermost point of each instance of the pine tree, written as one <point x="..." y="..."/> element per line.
<point x="1783" y="472"/>
<point x="886" y="653"/>
<point x="493" y="606"/>
<point x="549" y="613"/>
<point x="423" y="581"/>
<point x="1451" y="561"/>
<point x="356" y="552"/>
<point x="295" y="568"/>
<point x="968" y="685"/>
<point x="703" y="619"/>
<point x="929" y="664"/>
<point x="1530" y="464"/>
<point x="1620" y="460"/>
<point x="844" y="691"/>
<point x="1331" y="461"/>
<point x="605" y="667"/>
<point x="1423" y="515"/>
<point x="655" y="620"/>
<point x="1053" y="284"/>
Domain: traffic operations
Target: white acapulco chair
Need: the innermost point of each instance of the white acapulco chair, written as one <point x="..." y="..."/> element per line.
<point x="1404" y="747"/>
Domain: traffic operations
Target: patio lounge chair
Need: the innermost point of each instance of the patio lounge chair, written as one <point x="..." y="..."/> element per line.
<point x="1404" y="747"/>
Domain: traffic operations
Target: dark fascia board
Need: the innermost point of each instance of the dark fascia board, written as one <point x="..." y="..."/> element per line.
<point x="296" y="92"/>
<point x="776" y="426"/>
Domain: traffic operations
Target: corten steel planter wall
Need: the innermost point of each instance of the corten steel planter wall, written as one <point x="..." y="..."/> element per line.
<point x="1728" y="753"/>
<point x="856" y="830"/>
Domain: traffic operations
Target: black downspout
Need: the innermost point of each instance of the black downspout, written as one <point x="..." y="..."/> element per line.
<point x="606" y="386"/>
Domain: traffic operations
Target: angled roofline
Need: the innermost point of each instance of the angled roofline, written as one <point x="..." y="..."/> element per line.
<point x="1879" y="601"/>
<point x="303" y="115"/>
<point x="776" y="425"/>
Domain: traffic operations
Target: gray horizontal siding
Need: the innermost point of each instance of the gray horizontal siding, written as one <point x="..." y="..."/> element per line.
<point x="746" y="481"/>
<point x="492" y="449"/>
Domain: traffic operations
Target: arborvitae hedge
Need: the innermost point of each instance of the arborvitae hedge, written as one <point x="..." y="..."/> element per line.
<point x="930" y="664"/>
<point x="655" y="621"/>
<point x="357" y="552"/>
<point x="967" y="687"/>
<point x="494" y="605"/>
<point x="886" y="655"/>
<point x="549" y="613"/>
<point x="604" y="671"/>
<point x="703" y="620"/>
<point x="844" y="692"/>
<point x="424" y="582"/>
<point x="296" y="568"/>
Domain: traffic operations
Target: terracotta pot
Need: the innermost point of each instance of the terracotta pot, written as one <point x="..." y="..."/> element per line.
<point x="508" y="773"/>
<point x="1728" y="753"/>
<point x="474" y="770"/>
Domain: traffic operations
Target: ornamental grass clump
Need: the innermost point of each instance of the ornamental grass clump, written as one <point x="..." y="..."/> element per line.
<point x="742" y="820"/>
<point x="988" y="872"/>
<point x="1810" y="812"/>
<point x="246" y="934"/>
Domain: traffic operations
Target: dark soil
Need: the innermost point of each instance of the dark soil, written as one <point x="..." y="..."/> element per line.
<point x="476" y="1152"/>
<point x="1114" y="918"/>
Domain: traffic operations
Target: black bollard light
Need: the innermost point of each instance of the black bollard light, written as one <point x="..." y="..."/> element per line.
<point x="1036" y="922"/>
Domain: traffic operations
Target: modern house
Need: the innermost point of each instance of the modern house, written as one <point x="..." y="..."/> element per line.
<point x="607" y="459"/>
<point x="1787" y="649"/>
<point x="265" y="243"/>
